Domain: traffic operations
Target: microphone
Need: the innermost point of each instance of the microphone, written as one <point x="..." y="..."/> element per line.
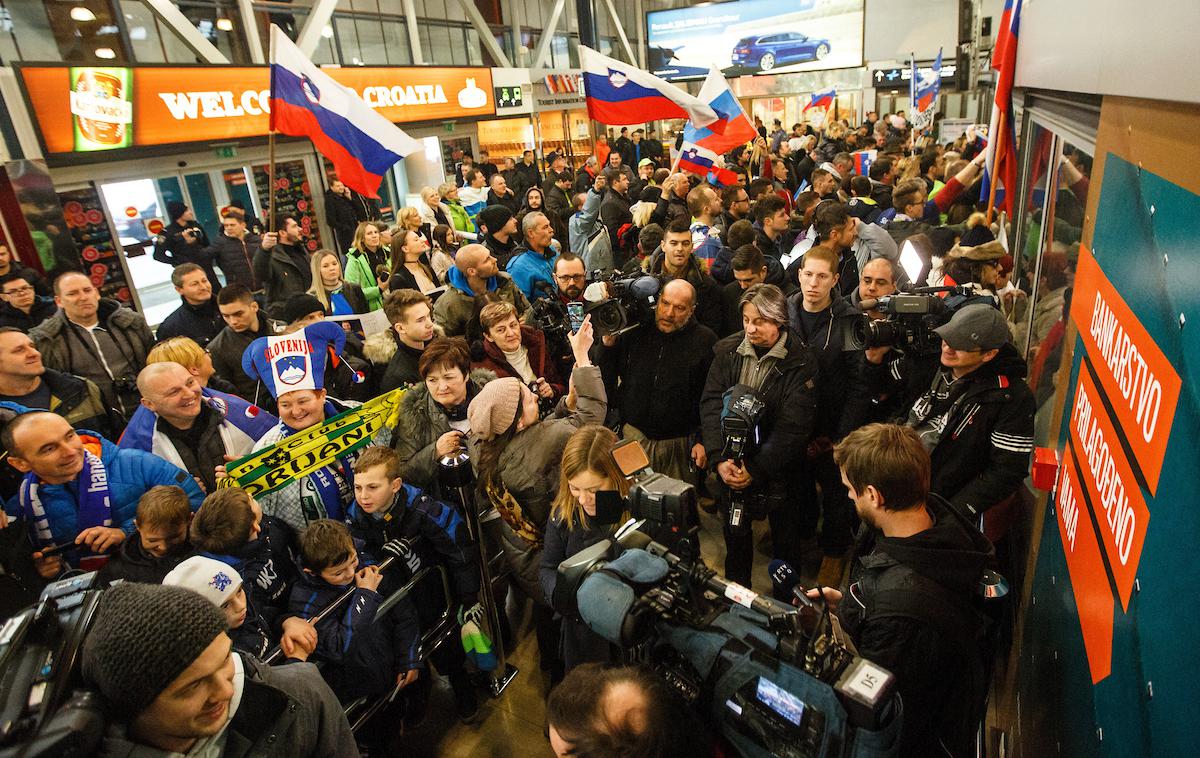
<point x="784" y="578"/>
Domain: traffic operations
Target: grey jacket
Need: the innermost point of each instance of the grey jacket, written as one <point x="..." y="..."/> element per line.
<point x="285" y="712"/>
<point x="588" y="237"/>
<point x="421" y="422"/>
<point x="128" y="328"/>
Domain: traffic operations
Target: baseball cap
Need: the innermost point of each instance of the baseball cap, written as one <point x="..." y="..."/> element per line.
<point x="975" y="327"/>
<point x="645" y="162"/>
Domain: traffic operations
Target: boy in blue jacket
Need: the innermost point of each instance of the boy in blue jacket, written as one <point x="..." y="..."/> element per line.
<point x="368" y="654"/>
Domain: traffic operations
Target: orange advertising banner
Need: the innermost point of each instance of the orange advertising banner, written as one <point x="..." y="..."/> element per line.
<point x="80" y="109"/>
<point x="1136" y="377"/>
<point x="1093" y="599"/>
<point x="1116" y="498"/>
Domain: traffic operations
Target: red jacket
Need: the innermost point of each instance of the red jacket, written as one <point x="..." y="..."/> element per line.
<point x="539" y="360"/>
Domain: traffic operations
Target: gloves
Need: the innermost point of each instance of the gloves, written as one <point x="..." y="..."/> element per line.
<point x="474" y="614"/>
<point x="399" y="549"/>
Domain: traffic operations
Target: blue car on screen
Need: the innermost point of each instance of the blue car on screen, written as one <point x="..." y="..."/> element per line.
<point x="764" y="52"/>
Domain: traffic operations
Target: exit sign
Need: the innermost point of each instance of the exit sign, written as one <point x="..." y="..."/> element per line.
<point x="226" y="151"/>
<point x="508" y="97"/>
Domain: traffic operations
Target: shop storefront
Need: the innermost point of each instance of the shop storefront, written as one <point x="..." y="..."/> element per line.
<point x="546" y="115"/>
<point x="784" y="96"/>
<point x="121" y="143"/>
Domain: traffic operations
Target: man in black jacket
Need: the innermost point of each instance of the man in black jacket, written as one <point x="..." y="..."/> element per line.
<point x="411" y="315"/>
<point x="197" y="316"/>
<point x="339" y="212"/>
<point x="244" y="323"/>
<point x="281" y="263"/>
<point x="677" y="261"/>
<point x="233" y="252"/>
<point x="24" y="380"/>
<point x="825" y="321"/>
<point x="184" y="241"/>
<point x="655" y="379"/>
<point x="615" y="214"/>
<point x="750" y="267"/>
<point x="22" y="307"/>
<point x="908" y="602"/>
<point x="771" y="363"/>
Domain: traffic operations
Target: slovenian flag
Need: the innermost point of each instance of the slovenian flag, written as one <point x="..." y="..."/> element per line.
<point x="621" y="94"/>
<point x="863" y="160"/>
<point x="704" y="162"/>
<point x="305" y="102"/>
<point x="924" y="92"/>
<point x="823" y="100"/>
<point x="1000" y="160"/>
<point x="732" y="127"/>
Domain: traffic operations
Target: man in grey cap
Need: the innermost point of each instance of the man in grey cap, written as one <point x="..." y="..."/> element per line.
<point x="162" y="660"/>
<point x="976" y="417"/>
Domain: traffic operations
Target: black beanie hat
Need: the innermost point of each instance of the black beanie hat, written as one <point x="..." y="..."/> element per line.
<point x="175" y="209"/>
<point x="651" y="194"/>
<point x="494" y="217"/>
<point x="300" y="305"/>
<point x="143" y="637"/>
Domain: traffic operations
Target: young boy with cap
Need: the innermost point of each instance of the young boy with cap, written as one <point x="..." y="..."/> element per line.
<point x="160" y="542"/>
<point x="221" y="584"/>
<point x="172" y="684"/>
<point x="367" y="654"/>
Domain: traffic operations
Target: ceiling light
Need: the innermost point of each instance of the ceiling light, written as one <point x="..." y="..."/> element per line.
<point x="225" y="24"/>
<point x="82" y="14"/>
<point x="327" y="32"/>
<point x="105" y="52"/>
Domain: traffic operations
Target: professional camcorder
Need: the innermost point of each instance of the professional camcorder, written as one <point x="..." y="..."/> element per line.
<point x="619" y="305"/>
<point x="910" y="318"/>
<point x="774" y="679"/>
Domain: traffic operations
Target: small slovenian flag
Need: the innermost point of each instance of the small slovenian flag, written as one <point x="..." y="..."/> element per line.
<point x="306" y="102"/>
<point x="823" y="100"/>
<point x="696" y="159"/>
<point x="863" y="160"/>
<point x="621" y="94"/>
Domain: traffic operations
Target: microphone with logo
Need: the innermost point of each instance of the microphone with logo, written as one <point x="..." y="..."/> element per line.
<point x="785" y="583"/>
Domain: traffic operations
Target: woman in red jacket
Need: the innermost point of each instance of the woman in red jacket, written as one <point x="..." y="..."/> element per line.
<point x="511" y="348"/>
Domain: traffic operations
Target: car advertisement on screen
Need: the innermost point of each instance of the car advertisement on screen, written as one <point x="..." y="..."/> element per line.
<point x="755" y="37"/>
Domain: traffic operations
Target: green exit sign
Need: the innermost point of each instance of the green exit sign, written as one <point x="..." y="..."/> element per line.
<point x="226" y="151"/>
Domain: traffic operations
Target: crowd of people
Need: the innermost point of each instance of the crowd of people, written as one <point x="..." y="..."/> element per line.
<point x="880" y="457"/>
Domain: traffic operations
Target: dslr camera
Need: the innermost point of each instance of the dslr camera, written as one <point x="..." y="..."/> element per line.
<point x="618" y="305"/>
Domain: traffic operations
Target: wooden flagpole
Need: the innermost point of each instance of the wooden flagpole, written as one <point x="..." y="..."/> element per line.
<point x="995" y="175"/>
<point x="271" y="181"/>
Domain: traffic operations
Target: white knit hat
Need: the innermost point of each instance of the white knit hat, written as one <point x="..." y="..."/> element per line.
<point x="215" y="580"/>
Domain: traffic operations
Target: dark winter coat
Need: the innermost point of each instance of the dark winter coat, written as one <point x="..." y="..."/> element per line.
<point x="79" y="401"/>
<point x="655" y="380"/>
<point x="789" y="393"/>
<point x="731" y="296"/>
<point x="235" y="258"/>
<point x="42" y="309"/>
<point x="908" y="606"/>
<point x="175" y="250"/>
<point x="614" y="214"/>
<point x="339" y="213"/>
<point x="842" y="397"/>
<point x="540" y="360"/>
<point x="131" y="563"/>
<point x="268" y="565"/>
<point x="708" y="292"/>
<point x="200" y="322"/>
<point x="285" y="712"/>
<point x="284" y="271"/>
<point x="227" y="349"/>
<point x="577" y="643"/>
<point x="778" y="248"/>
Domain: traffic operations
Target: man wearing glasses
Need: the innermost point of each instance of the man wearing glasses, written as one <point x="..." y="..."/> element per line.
<point x="22" y="307"/>
<point x="569" y="278"/>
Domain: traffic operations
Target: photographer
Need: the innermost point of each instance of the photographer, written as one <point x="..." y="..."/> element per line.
<point x="587" y="467"/>
<point x="907" y="603"/>
<point x="184" y="241"/>
<point x="164" y="664"/>
<point x="771" y="364"/>
<point x="518" y="459"/>
<point x="655" y="378"/>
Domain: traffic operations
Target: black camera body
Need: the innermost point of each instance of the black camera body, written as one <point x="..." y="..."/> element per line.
<point x="652" y="496"/>
<point x="618" y="305"/>
<point x="910" y="318"/>
<point x="740" y="421"/>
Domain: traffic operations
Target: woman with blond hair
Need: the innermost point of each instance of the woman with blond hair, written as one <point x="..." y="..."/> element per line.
<point x="366" y="263"/>
<point x="409" y="220"/>
<point x="460" y="219"/>
<point x="338" y="296"/>
<point x="187" y="353"/>
<point x="587" y="471"/>
<point x="431" y="210"/>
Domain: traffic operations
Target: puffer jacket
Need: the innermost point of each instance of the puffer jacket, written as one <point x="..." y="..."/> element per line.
<point x="235" y="258"/>
<point x="285" y="712"/>
<point x="529" y="466"/>
<point x="420" y="424"/>
<point x="130" y="474"/>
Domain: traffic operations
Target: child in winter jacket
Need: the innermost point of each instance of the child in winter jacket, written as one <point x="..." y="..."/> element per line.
<point x="160" y="542"/>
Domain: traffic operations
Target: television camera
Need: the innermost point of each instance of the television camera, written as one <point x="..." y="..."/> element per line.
<point x="910" y="318"/>
<point x="774" y="678"/>
<point x="619" y="304"/>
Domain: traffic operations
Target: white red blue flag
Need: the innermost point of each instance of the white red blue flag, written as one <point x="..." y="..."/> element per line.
<point x="822" y="100"/>
<point x="621" y="94"/>
<point x="1000" y="161"/>
<point x="925" y="92"/>
<point x="706" y="163"/>
<point x="306" y="102"/>
<point x="732" y="127"/>
<point x="863" y="160"/>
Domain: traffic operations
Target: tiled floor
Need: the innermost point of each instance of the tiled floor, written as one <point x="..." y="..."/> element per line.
<point x="512" y="726"/>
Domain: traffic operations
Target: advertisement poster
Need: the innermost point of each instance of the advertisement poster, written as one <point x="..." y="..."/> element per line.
<point x="84" y="213"/>
<point x="101" y="108"/>
<point x="755" y="37"/>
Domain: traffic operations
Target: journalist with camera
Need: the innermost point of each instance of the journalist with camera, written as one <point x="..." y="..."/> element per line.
<point x="655" y="376"/>
<point x="909" y="603"/>
<point x="184" y="241"/>
<point x="757" y="414"/>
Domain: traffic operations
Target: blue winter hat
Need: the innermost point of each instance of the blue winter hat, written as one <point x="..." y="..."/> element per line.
<point x="296" y="361"/>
